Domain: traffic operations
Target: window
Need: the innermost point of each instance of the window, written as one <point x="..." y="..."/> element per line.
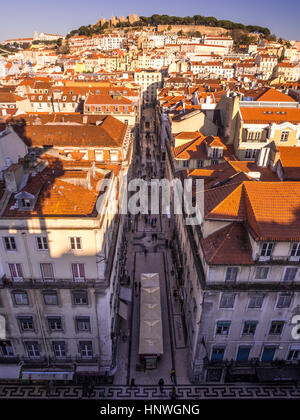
<point x="215" y="152"/>
<point x="284" y="300"/>
<point x="50" y="297"/>
<point x="26" y="323"/>
<point x="295" y="250"/>
<point x="251" y="153"/>
<point x="6" y="348"/>
<point x="243" y="354"/>
<point x="249" y="327"/>
<point x="99" y="155"/>
<point x="16" y="272"/>
<point x="42" y="242"/>
<point x="9" y="243"/>
<point x="47" y="271"/>
<point x="78" y="272"/>
<point x="113" y="155"/>
<point x="33" y="349"/>
<point x="261" y="273"/>
<point x="227" y="300"/>
<point x="80" y="297"/>
<point x="268" y="354"/>
<point x="21" y="298"/>
<point x="284" y="136"/>
<point x="55" y="324"/>
<point x="59" y="349"/>
<point x="86" y="349"/>
<point x="267" y="249"/>
<point x="186" y="163"/>
<point x="294" y="352"/>
<point x="26" y="202"/>
<point x="231" y="274"/>
<point x="75" y="242"/>
<point x="290" y="274"/>
<point x="276" y="327"/>
<point x="83" y="324"/>
<point x="223" y="327"/>
<point x="255" y="301"/>
<point x="199" y="163"/>
<point x="217" y="353"/>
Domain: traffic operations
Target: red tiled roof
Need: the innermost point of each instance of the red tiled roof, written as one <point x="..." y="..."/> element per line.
<point x="230" y="246"/>
<point x="268" y="115"/>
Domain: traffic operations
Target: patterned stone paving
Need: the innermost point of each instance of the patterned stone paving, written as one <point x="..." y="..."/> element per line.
<point x="148" y="392"/>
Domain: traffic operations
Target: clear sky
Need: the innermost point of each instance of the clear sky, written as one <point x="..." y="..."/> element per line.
<point x="20" y="18"/>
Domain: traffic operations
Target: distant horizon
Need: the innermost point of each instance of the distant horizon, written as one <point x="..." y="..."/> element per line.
<point x="62" y="17"/>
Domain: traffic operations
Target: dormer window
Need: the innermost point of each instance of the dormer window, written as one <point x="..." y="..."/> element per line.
<point x="266" y="250"/>
<point x="26" y="202"/>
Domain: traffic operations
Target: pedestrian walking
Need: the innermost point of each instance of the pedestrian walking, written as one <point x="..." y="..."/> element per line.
<point x="50" y="388"/>
<point x="132" y="383"/>
<point x="172" y="375"/>
<point x="173" y="394"/>
<point x="161" y="383"/>
<point x="139" y="287"/>
<point x="90" y="389"/>
<point x="145" y="252"/>
<point x="135" y="286"/>
<point x="166" y="243"/>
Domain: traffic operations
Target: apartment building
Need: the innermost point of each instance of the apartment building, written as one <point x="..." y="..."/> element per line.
<point x="150" y="81"/>
<point x="115" y="105"/>
<point x="239" y="276"/>
<point x="266" y="64"/>
<point x="61" y="253"/>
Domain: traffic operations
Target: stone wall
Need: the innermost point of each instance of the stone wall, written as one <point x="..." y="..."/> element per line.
<point x="207" y="30"/>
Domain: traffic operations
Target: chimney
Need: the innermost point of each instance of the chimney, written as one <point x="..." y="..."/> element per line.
<point x="89" y="180"/>
<point x="13" y="177"/>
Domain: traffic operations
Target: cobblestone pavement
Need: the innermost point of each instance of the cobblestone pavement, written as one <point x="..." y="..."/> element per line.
<point x="148" y="392"/>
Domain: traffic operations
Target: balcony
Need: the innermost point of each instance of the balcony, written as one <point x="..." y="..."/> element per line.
<point x="277" y="259"/>
<point x="57" y="282"/>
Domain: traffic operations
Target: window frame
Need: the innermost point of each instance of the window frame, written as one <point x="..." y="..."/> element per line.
<point x="234" y="269"/>
<point x="80" y="291"/>
<point x="249" y="323"/>
<point x="255" y="296"/>
<point x="53" y="318"/>
<point x="50" y="293"/>
<point x="45" y="278"/>
<point x="22" y="319"/>
<point x="83" y="320"/>
<point x="10" y="240"/>
<point x="34" y="350"/>
<point x="289" y="269"/>
<point x="76" y="243"/>
<point x="44" y="242"/>
<point x="224" y="329"/>
<point x="280" y="322"/>
<point x="233" y="303"/>
<point x="15" y="292"/>
<point x="262" y="268"/>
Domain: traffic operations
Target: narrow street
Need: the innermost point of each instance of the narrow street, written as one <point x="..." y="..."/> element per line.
<point x="148" y="254"/>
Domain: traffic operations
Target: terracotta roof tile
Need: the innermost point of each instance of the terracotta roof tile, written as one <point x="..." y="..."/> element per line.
<point x="230" y="246"/>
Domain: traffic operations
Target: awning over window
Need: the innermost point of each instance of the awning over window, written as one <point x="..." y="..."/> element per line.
<point x="48" y="375"/>
<point x="10" y="371"/>
<point x="287" y="373"/>
<point x="88" y="370"/>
